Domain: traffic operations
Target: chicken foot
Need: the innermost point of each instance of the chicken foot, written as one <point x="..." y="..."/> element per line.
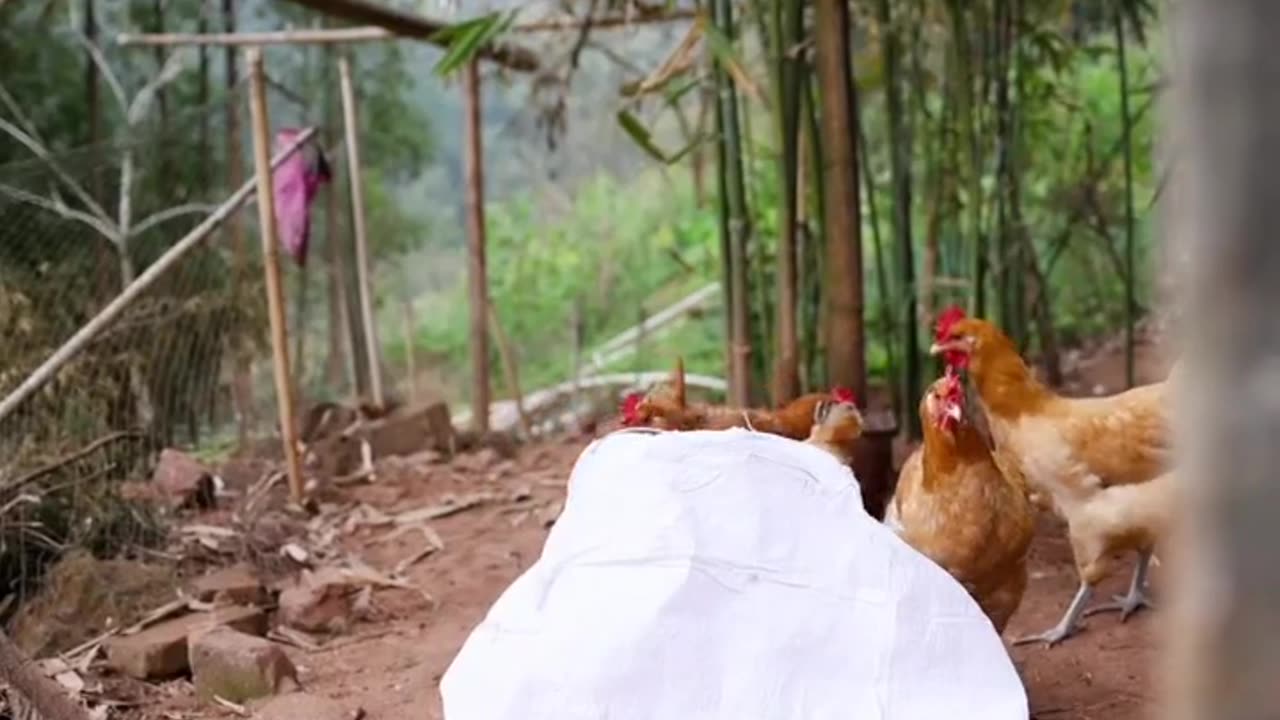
<point x="1068" y="625"/>
<point x="1136" y="598"/>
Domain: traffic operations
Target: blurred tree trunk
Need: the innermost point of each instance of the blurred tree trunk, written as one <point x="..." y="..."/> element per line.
<point x="735" y="223"/>
<point x="1222" y="208"/>
<point x="843" y="262"/>
<point x="900" y="137"/>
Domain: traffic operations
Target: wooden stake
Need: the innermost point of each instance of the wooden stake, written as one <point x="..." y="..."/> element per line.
<point x="271" y="269"/>
<point x="358" y="226"/>
<point x="476" y="275"/>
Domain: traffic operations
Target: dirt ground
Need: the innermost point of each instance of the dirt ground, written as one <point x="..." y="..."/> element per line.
<point x="390" y="667"/>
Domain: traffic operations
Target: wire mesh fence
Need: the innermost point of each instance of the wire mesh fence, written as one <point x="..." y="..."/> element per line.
<point x="185" y="364"/>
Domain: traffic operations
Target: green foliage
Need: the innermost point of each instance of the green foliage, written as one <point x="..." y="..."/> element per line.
<point x="465" y="39"/>
<point x="621" y="252"/>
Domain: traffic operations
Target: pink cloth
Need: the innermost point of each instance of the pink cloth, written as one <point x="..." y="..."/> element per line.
<point x="296" y="183"/>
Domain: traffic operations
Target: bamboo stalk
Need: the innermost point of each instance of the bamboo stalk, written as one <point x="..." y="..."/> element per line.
<point x="784" y="30"/>
<point x="846" y="363"/>
<point x="271" y="271"/>
<point x="1130" y="266"/>
<point x="900" y="172"/>
<point x="358" y="226"/>
<point x="736" y="223"/>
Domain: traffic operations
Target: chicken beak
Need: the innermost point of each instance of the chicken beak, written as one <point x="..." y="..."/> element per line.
<point x="938" y="348"/>
<point x="953" y="412"/>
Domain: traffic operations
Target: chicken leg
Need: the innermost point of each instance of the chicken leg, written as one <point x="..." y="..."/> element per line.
<point x="1136" y="598"/>
<point x="1068" y="625"/>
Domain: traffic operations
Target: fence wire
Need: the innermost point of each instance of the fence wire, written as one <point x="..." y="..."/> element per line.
<point x="187" y="365"/>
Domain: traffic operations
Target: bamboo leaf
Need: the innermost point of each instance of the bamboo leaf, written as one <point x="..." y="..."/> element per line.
<point x="467" y="38"/>
<point x="632" y="126"/>
<point x="724" y="52"/>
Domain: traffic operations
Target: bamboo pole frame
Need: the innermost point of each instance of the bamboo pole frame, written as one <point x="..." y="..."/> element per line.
<point x="358" y="227"/>
<point x="271" y="270"/>
<point x="410" y="25"/>
<point x="477" y="277"/>
<point x="374" y="33"/>
<point x="109" y="314"/>
<point x="238" y="39"/>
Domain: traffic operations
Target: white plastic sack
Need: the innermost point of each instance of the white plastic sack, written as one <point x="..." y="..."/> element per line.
<point x="728" y="576"/>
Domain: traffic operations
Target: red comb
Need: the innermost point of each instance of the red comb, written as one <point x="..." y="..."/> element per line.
<point x="844" y="395"/>
<point x="946" y="319"/>
<point x="630" y="408"/>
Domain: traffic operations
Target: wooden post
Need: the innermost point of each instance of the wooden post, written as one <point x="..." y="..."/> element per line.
<point x="271" y="268"/>
<point x="1223" y="208"/>
<point x="358" y="226"/>
<point x="477" y="278"/>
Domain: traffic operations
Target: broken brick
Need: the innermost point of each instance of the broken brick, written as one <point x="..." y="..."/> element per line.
<point x="235" y="585"/>
<point x="319" y="602"/>
<point x="160" y="651"/>
<point x="237" y="667"/>
<point x="183" y="481"/>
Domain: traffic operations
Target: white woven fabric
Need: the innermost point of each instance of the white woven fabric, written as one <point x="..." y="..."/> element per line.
<point x="728" y="576"/>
